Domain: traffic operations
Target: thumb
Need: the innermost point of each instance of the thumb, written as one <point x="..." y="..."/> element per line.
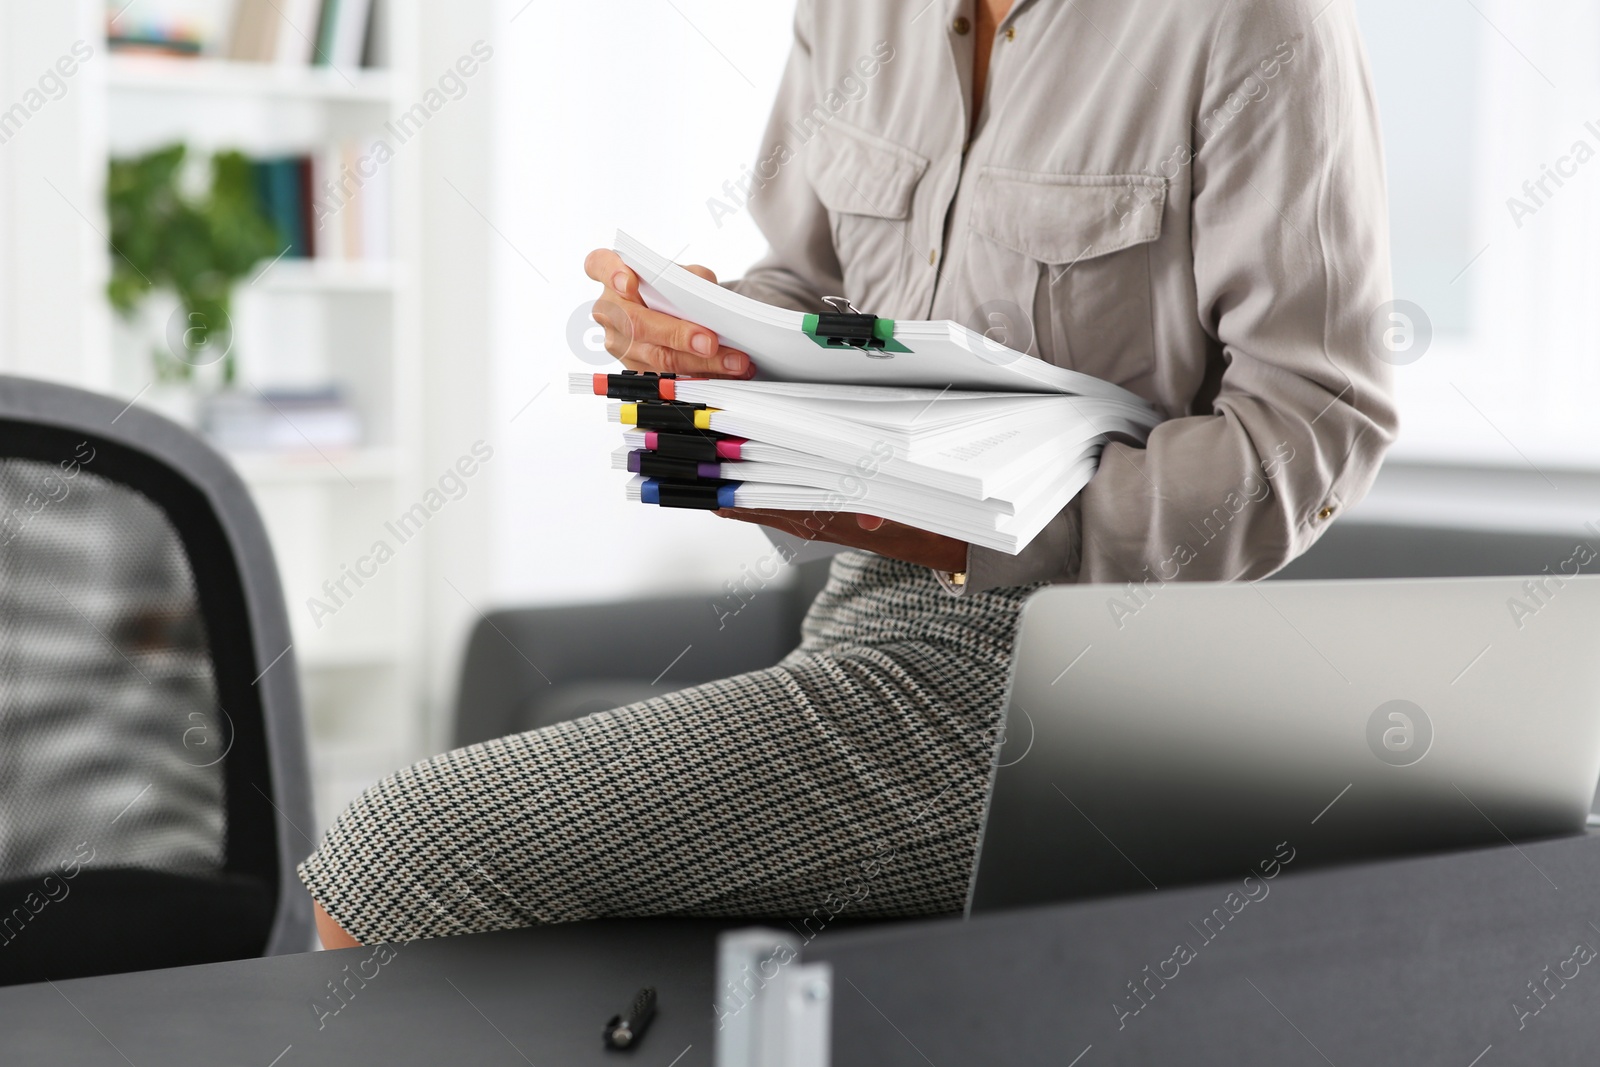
<point x="699" y="271"/>
<point x="868" y="522"/>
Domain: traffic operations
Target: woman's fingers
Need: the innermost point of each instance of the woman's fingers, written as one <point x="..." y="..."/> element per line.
<point x="645" y="339"/>
<point x="607" y="268"/>
<point x="603" y="265"/>
<point x="664" y="360"/>
<point x="636" y="334"/>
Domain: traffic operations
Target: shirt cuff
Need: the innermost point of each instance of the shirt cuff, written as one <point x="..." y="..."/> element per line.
<point x="1054" y="556"/>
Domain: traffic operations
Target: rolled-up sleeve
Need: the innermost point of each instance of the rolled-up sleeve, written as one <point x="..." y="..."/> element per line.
<point x="1291" y="262"/>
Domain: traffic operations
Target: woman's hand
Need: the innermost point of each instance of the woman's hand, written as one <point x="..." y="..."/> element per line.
<point x="647" y="340"/>
<point x="886" y="538"/>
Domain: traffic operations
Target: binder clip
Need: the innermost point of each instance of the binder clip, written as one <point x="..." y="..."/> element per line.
<point x="666" y="415"/>
<point x="634" y="385"/>
<point x="853" y="328"/>
<point x="698" y="496"/>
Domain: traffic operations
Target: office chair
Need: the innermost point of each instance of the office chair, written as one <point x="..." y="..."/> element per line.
<point x="153" y="783"/>
<point x="1392" y="550"/>
<point x="526" y="668"/>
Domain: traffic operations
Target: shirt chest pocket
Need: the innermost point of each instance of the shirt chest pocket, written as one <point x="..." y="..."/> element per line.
<point x="866" y="182"/>
<point x="1079" y="246"/>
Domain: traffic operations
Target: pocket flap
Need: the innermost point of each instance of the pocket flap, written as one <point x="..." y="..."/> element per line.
<point x="859" y="173"/>
<point x="1062" y="218"/>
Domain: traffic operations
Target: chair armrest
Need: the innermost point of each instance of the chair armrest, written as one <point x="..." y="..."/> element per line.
<point x="518" y="659"/>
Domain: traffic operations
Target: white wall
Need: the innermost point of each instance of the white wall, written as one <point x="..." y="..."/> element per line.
<point x="54" y="320"/>
<point x="1476" y="100"/>
<point x="612" y="114"/>
<point x="456" y="184"/>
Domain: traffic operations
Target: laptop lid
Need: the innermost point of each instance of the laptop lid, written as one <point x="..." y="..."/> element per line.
<point x="1169" y="735"/>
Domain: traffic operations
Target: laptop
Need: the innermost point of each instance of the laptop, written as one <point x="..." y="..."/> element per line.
<point x="1196" y="732"/>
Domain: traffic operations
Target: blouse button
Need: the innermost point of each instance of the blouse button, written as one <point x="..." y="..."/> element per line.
<point x="1325" y="514"/>
<point x="961" y="25"/>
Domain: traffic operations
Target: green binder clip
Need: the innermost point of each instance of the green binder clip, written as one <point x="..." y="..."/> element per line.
<point x="851" y="328"/>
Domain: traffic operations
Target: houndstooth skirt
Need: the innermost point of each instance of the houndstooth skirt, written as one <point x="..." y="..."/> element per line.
<point x="851" y="777"/>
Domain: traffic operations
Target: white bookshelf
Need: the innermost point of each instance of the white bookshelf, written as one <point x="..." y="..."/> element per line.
<point x="299" y="275"/>
<point x="220" y="77"/>
<point x="309" y="468"/>
<point x="307" y="322"/>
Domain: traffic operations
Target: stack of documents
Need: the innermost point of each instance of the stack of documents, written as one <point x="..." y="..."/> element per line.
<point x="923" y="423"/>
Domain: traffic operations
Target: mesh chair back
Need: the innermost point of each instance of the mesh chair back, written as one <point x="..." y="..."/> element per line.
<point x="152" y="768"/>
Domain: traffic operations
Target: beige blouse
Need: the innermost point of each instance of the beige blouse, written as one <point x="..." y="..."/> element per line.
<point x="1185" y="197"/>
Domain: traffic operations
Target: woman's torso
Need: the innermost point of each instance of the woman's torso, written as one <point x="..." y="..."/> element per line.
<point x="1062" y="227"/>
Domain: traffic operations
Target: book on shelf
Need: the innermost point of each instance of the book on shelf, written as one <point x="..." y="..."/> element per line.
<point x="281" y="186"/>
<point x="375" y="49"/>
<point x="253" y="36"/>
<point x="296" y="44"/>
<point x="343" y="34"/>
<point x="154" y="40"/>
<point x="180" y="28"/>
<point x="323" y="207"/>
<point x="925" y="423"/>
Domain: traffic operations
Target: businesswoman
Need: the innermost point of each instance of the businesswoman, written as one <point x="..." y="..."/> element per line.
<point x="1185" y="198"/>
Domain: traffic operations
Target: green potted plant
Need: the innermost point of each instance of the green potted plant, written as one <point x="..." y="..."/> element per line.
<point x="194" y="247"/>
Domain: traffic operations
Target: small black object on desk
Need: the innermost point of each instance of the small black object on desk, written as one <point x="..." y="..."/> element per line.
<point x="627" y="1028"/>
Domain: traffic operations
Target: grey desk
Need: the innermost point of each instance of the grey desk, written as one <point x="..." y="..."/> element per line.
<point x="1410" y="962"/>
<point x="1415" y="962"/>
<point x="528" y="996"/>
